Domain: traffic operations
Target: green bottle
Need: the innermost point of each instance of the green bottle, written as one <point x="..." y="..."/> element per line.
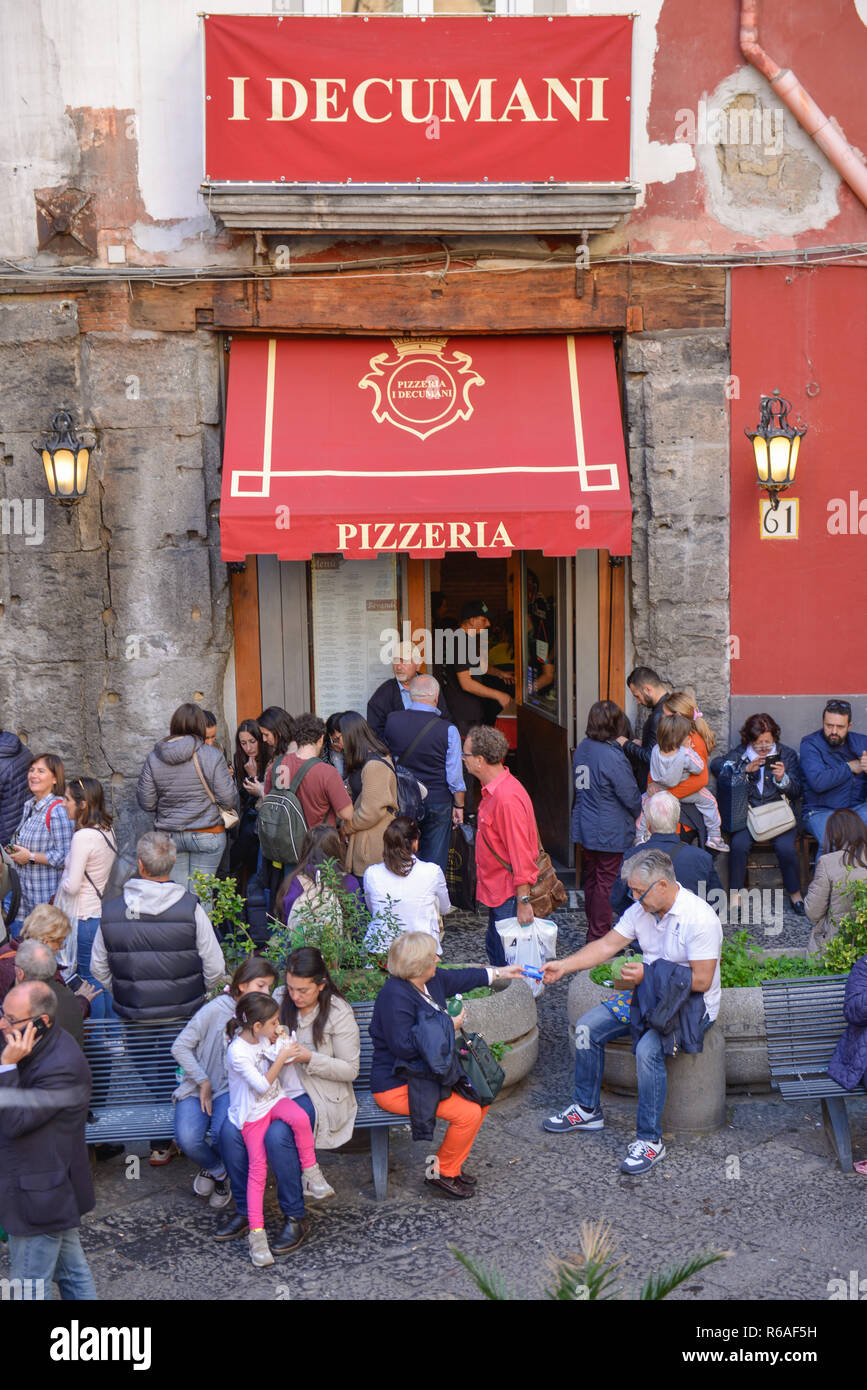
<point x="455" y="1006"/>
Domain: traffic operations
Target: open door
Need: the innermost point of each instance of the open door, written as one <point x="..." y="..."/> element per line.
<point x="544" y="633"/>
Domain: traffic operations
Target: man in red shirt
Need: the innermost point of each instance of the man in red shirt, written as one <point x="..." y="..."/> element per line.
<point x="507" y="842"/>
<point x="323" y="796"/>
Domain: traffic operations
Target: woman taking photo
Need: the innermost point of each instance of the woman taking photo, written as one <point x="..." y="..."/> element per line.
<point x="412" y="892"/>
<point x="276" y="727"/>
<point x="372" y="784"/>
<point x="41" y="842"/>
<point x="607" y="802"/>
<point x="416" y="992"/>
<point x="843" y="861"/>
<point x="88" y="865"/>
<point x="184" y="783"/>
<point x="248" y="763"/>
<point x="773" y="771"/>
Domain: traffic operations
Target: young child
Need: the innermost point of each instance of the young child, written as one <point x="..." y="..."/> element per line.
<point x="675" y="759"/>
<point x="202" y="1098"/>
<point x="260" y="1071"/>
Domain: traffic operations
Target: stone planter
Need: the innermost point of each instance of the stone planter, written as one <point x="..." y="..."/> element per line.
<point x="508" y="1016"/>
<point x="741" y="1017"/>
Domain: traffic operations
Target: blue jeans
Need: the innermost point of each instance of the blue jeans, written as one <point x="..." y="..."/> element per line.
<point x="493" y="943"/>
<point x="59" y="1257"/>
<point x="816" y="820"/>
<point x="434" y="832"/>
<point x="592" y="1032"/>
<point x="202" y="852"/>
<point x="282" y="1156"/>
<point x="102" y="1006"/>
<point x="191" y="1126"/>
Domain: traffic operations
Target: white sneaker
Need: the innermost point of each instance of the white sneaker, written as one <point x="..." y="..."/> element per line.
<point x="260" y="1253"/>
<point x="313" y="1184"/>
<point x="221" y="1195"/>
<point x="203" y="1183"/>
<point x="641" y="1155"/>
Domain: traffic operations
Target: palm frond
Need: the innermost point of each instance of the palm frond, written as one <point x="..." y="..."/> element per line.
<point x="661" y="1283"/>
<point x="486" y="1277"/>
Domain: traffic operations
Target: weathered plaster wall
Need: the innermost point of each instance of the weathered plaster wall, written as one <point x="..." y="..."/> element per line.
<point x="120" y="612"/>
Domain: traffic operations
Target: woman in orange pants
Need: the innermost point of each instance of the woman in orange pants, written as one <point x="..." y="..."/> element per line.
<point x="401" y="1079"/>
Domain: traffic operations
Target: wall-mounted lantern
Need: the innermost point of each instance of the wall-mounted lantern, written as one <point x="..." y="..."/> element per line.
<point x="775" y="446"/>
<point x="65" y="457"/>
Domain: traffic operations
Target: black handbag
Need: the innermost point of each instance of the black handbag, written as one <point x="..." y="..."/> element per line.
<point x="461" y="870"/>
<point x="480" y="1066"/>
<point x="733" y="796"/>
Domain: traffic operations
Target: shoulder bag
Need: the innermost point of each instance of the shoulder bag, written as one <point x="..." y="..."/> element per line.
<point x="770" y="819"/>
<point x="547" y="893"/>
<point x="229" y="815"/>
<point x="480" y="1066"/>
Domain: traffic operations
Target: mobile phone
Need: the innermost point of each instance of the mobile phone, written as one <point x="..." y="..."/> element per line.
<point x="40" y="1027"/>
<point x="75" y="982"/>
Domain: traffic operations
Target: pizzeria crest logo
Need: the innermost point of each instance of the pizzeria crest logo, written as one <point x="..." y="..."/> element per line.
<point x="421" y="388"/>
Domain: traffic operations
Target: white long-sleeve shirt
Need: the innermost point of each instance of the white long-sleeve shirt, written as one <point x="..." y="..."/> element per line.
<point x="415" y="899"/>
<point x="90" y="853"/>
<point x="251" y="1095"/>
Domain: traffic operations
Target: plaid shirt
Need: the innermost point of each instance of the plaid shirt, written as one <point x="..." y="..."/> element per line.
<point x="39" y="882"/>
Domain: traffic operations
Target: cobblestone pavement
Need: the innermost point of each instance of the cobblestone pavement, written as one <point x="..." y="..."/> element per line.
<point x="791" y="1219"/>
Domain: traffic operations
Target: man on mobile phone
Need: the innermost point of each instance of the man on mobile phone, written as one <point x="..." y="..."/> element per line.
<point x="45" y="1184"/>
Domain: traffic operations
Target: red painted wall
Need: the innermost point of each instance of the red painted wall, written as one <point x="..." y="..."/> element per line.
<point x="796" y="605"/>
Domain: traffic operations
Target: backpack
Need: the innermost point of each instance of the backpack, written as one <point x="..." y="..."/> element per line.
<point x="121" y="871"/>
<point x="315" y="905"/>
<point x="282" y="823"/>
<point x="410" y="801"/>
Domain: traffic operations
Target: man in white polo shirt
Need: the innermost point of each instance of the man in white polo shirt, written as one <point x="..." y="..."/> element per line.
<point x="668" y="923"/>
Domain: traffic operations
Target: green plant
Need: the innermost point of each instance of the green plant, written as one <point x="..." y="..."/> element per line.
<point x="220" y="899"/>
<point x="593" y="1273"/>
<point x="850" y="942"/>
<point x="609" y="971"/>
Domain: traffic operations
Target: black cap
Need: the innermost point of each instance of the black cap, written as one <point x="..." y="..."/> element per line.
<point x="474" y="609"/>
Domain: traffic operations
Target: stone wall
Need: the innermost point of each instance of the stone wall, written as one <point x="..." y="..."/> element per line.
<point x="678" y="437"/>
<point x="120" y="611"/>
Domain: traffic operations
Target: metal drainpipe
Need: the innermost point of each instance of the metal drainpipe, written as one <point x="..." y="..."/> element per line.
<point x="817" y="125"/>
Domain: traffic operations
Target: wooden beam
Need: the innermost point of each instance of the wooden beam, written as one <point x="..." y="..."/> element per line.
<point x="415" y="588"/>
<point x="681" y="296"/>
<point x="612" y="630"/>
<point x="248" y="661"/>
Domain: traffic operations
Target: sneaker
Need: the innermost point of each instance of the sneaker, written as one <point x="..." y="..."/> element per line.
<point x="574" y="1118"/>
<point x="718" y="846"/>
<point x="313" y="1184"/>
<point x="203" y="1183"/>
<point x="222" y="1193"/>
<point x="259" y="1251"/>
<point x="641" y="1155"/>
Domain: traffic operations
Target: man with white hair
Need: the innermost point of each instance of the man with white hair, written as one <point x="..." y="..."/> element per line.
<point x="34" y="961"/>
<point x="429" y="746"/>
<point x="693" y="867"/>
<point x="394" y="694"/>
<point x="679" y="938"/>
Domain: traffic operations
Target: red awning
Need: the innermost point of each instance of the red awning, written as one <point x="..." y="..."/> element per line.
<point x="422" y="445"/>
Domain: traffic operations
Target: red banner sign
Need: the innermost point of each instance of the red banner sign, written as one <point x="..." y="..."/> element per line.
<point x="468" y="99"/>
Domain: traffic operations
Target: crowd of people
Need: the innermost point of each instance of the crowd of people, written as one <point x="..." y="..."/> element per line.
<point x="267" y="1077"/>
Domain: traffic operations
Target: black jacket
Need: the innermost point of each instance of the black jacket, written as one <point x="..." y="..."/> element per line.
<point x="770" y="790"/>
<point x="155" y="966"/>
<point x="664" y="1001"/>
<point x="15" y="759"/>
<point x="639" y="755"/>
<point x="45" y="1183"/>
<point x="387" y="697"/>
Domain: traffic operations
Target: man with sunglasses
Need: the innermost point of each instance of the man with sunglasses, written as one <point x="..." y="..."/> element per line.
<point x="834" y="767"/>
<point x="45" y="1184"/>
<point x="668" y="923"/>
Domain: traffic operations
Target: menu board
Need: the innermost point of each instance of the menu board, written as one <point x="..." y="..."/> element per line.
<point x="354" y="623"/>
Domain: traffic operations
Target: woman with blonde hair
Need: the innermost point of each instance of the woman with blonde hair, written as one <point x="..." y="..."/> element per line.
<point x="411" y="1002"/>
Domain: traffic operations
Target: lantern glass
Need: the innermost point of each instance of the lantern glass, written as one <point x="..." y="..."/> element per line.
<point x="779" y="448"/>
<point x="49" y="472"/>
<point x="760" y="449"/>
<point x="81" y="471"/>
<point x="64" y="472"/>
<point x="793" y="462"/>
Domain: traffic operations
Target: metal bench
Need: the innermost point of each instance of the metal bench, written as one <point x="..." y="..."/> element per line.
<point x="370" y="1116"/>
<point x="134" y="1075"/>
<point x="804" y="1022"/>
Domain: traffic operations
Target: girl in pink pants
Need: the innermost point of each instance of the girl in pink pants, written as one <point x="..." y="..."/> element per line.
<point x="262" y="1082"/>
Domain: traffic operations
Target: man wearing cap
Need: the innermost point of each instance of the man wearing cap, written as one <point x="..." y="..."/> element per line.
<point x="474" y="697"/>
<point x="834" y="767"/>
<point x="394" y="694"/>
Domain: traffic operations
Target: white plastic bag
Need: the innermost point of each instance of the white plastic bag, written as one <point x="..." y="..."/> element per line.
<point x="529" y="945"/>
